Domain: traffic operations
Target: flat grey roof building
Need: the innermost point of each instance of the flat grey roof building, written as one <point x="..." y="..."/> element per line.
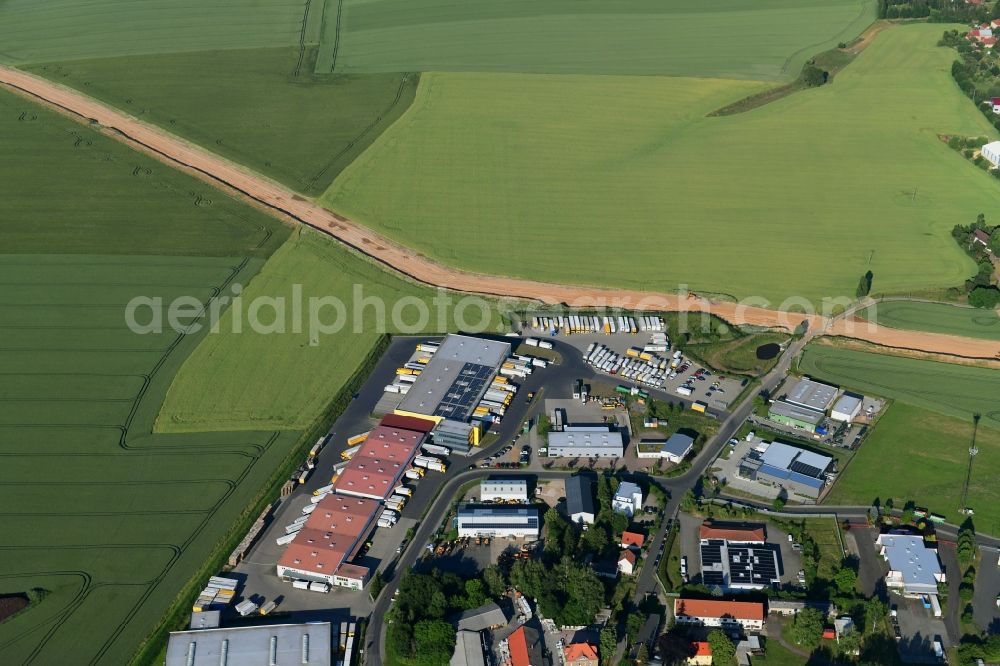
<point x="797" y="412"/>
<point x="456" y="377"/>
<point x="586" y="444"/>
<point x="847" y="407"/>
<point x="498" y="521"/>
<point x="503" y="490"/>
<point x="814" y="395"/>
<point x="477" y="619"/>
<point x="468" y="649"/>
<point x="798" y="470"/>
<point x="278" y="644"/>
<point x="580" y="499"/>
<point x="913" y="566"/>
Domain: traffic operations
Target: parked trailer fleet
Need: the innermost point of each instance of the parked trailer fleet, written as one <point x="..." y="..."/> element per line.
<point x="570" y="324"/>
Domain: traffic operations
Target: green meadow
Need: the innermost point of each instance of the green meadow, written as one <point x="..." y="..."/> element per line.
<point x="959" y="391"/>
<point x="765" y="39"/>
<point x="624" y="181"/>
<point x="917" y="455"/>
<point x="936" y="318"/>
<point x="241" y="378"/>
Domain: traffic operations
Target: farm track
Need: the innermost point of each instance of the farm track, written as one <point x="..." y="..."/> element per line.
<point x="286" y="204"/>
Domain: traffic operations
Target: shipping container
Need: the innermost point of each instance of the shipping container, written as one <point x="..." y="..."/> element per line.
<point x="531" y="342"/>
<point x="319" y="587"/>
<point x="699" y="406"/>
<point x="357" y="439"/>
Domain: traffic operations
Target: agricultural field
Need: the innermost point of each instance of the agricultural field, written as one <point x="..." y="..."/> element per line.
<point x="959" y="391"/>
<point x="636" y="187"/>
<point x="263" y="380"/>
<point x="767" y="39"/>
<point x="936" y="318"/>
<point x="259" y="107"/>
<point x="915" y="454"/>
<point x="110" y="519"/>
<point x="33" y="31"/>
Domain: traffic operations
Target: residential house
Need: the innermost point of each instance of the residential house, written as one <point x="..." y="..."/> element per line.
<point x="525" y="646"/>
<point x="702" y="654"/>
<point x="580" y="654"/>
<point x="627" y="562"/>
<point x="748" y="615"/>
<point x="632" y="540"/>
<point x="628" y="499"/>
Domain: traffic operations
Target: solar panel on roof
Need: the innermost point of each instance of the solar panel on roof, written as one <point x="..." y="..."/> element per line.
<point x="803" y="468"/>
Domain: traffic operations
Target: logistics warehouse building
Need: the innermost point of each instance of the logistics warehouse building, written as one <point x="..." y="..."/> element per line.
<point x="799" y="471"/>
<point x="380" y="462"/>
<point x="452" y="384"/>
<point x="332" y="536"/>
<point x="277" y="644"/>
<point x="498" y="521"/>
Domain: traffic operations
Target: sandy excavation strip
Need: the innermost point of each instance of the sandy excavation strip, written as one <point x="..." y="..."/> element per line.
<point x="285" y="203"/>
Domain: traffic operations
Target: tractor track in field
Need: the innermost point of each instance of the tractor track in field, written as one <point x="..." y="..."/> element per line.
<point x="288" y="205"/>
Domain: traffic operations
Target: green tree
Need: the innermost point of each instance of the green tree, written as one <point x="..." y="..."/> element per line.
<point x="475" y="593"/>
<point x="778" y="504"/>
<point x="596" y="538"/>
<point x="641" y="655"/>
<point x="813" y="76"/>
<point x="690" y="501"/>
<point x="496" y="584"/>
<point x="376" y="586"/>
<point x="633" y="624"/>
<point x="845" y="579"/>
<point x="850" y="642"/>
<point x="619" y="523"/>
<point x="544" y="425"/>
<point x="865" y="285"/>
<point x="994" y="242"/>
<point x="674" y="647"/>
<point x="609" y="642"/>
<point x="984" y="297"/>
<point x="723" y="650"/>
<point x="807" y="628"/>
<point x="434" y="642"/>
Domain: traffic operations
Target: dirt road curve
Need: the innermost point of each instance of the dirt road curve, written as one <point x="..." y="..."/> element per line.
<point x="286" y="203"/>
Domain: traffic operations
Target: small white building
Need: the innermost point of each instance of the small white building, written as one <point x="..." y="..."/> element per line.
<point x="504" y="490"/>
<point x="626" y="562"/>
<point x="846" y="408"/>
<point x="628" y="499"/>
<point x="991" y="151"/>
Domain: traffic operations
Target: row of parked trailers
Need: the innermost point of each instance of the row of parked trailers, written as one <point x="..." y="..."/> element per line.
<point x="598" y="324"/>
<point x="343" y="643"/>
<point x="218" y="594"/>
<point x="643" y="368"/>
<point x="408" y="373"/>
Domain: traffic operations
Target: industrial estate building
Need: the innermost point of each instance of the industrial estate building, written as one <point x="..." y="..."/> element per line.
<point x="812" y="395"/>
<point x="580" y="499"/>
<point x="503" y="490"/>
<point x="323" y="548"/>
<point x="914" y="569"/>
<point x="277" y="644"/>
<point x="332" y="536"/>
<point x="804" y="406"/>
<point x="627" y="499"/>
<point x="798" y="471"/>
<point x="498" y="521"/>
<point x="847" y="408"/>
<point x="737" y="558"/>
<point x="451" y="386"/>
<point x="470" y="649"/>
<point x="748" y="615"/>
<point x="795" y="416"/>
<point x="586" y="442"/>
<point x="380" y="462"/>
<point x="674" y="449"/>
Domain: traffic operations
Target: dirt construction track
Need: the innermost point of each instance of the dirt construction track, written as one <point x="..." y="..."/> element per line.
<point x="287" y="204"/>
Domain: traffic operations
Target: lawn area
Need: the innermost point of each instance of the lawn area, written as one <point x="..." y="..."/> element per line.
<point x="262" y="380"/>
<point x="634" y="187"/>
<point x="250" y="105"/>
<point x="766" y="39"/>
<point x="936" y="318"/>
<point x="958" y="391"/>
<point x="824" y="531"/>
<point x="739" y="356"/>
<point x="33" y="31"/>
<point x="111" y="519"/>
<point x="915" y="454"/>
